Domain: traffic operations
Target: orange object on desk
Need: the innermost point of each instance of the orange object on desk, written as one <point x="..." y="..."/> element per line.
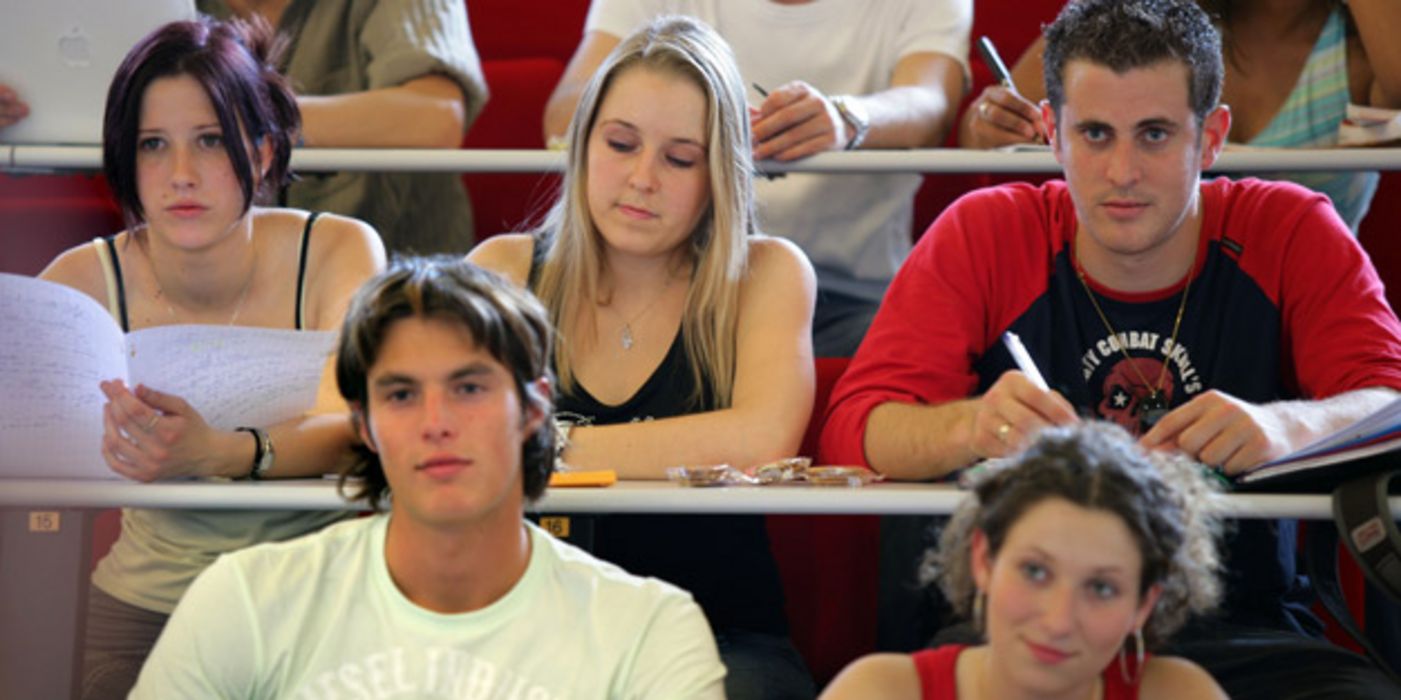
<point x="597" y="477"/>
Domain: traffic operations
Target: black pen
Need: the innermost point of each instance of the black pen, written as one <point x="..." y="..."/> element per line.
<point x="759" y="172"/>
<point x="994" y="62"/>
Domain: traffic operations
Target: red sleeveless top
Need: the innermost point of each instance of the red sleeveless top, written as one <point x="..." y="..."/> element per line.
<point x="938" y="680"/>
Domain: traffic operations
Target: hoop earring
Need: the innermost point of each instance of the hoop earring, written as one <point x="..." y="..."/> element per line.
<point x="979" y="608"/>
<point x="1138" y="658"/>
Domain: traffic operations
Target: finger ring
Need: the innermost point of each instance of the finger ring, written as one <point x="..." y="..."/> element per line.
<point x="983" y="110"/>
<point x="1002" y="431"/>
<point x="151" y="424"/>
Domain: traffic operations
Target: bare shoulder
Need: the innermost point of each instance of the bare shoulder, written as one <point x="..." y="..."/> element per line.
<point x="342" y="254"/>
<point x="80" y="268"/>
<point x="772" y="257"/>
<point x="876" y="676"/>
<point x="1166" y="677"/>
<point x="342" y="236"/>
<point x="507" y="254"/>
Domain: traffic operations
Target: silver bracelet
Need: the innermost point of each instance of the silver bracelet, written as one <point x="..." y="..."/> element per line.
<point x="562" y="428"/>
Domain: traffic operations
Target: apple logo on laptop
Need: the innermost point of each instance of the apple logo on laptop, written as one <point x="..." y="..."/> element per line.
<point x="73" y="47"/>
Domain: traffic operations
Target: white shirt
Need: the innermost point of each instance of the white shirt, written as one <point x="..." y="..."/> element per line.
<point x="855" y="228"/>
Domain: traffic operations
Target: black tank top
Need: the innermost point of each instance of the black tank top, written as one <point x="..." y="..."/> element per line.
<point x="723" y="560"/>
<point x="296" y="301"/>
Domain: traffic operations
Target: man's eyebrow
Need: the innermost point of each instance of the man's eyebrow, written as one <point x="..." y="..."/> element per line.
<point x="1158" y="122"/>
<point x="472" y="369"/>
<point x="1092" y="124"/>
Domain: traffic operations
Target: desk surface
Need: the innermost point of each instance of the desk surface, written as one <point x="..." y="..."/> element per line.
<point x="624" y="497"/>
<point x="922" y="160"/>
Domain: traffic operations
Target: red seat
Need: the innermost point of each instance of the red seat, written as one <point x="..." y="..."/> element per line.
<point x="829" y="566"/>
<point x="44" y="215"/>
<point x="521" y="68"/>
<point x="1012" y="25"/>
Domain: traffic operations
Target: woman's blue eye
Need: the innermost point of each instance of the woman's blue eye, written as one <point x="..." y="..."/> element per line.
<point x="1034" y="572"/>
<point x="398" y="396"/>
<point x="149" y="144"/>
<point x="680" y="162"/>
<point x="211" y="140"/>
<point x="1104" y="589"/>
<point x="469" y="388"/>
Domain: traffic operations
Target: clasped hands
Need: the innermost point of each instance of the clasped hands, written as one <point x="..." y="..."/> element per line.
<point x="149" y="435"/>
<point x="1213" y="428"/>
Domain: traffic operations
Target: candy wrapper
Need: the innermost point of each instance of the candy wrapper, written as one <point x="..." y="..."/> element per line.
<point x="783" y="470"/>
<point x="703" y="477"/>
<point x="841" y="476"/>
<point x="793" y="470"/>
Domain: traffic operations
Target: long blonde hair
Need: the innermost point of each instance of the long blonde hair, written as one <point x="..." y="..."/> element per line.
<point x="572" y="246"/>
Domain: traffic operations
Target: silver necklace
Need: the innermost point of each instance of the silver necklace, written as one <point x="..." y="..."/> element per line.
<point x="238" y="308"/>
<point x="625" y="337"/>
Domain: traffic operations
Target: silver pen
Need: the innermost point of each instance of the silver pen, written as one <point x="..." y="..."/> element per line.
<point x="1023" y="360"/>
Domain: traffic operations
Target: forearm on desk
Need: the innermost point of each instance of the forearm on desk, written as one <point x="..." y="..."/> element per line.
<point x="1307" y="421"/>
<point x="912" y="442"/>
<point x="426" y="112"/>
<point x="918" y="109"/>
<point x="644" y="450"/>
<point x="307" y="446"/>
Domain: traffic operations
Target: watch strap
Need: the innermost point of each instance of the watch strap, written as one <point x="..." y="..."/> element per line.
<point x="262" y="452"/>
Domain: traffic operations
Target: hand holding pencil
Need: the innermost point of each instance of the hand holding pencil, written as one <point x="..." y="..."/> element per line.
<point x="1000" y="116"/>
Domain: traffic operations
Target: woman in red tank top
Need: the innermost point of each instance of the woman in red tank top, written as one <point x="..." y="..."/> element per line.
<point x="1072" y="559"/>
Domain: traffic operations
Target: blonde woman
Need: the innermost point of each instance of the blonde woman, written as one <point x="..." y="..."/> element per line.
<point x="685" y="334"/>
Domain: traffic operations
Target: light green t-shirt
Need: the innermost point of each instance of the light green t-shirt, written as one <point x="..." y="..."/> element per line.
<point x="320" y="617"/>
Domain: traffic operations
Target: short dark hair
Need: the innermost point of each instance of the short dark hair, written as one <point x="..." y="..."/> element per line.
<point x="503" y="319"/>
<point x="1169" y="507"/>
<point x="1126" y="34"/>
<point x="235" y="63"/>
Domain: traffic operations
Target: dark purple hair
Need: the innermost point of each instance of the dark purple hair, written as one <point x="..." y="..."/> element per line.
<point x="235" y="63"/>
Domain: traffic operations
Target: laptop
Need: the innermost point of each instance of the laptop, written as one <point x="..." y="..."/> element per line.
<point x="60" y="56"/>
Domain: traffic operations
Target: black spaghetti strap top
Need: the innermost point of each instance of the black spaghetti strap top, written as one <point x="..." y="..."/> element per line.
<point x="302" y="248"/>
<point x="723" y="560"/>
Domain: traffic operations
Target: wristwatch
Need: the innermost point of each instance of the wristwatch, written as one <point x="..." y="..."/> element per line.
<point x="262" y="452"/>
<point x="856" y="116"/>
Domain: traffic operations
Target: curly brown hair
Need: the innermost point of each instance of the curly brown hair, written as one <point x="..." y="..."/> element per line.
<point x="1167" y="503"/>
<point x="1126" y="34"/>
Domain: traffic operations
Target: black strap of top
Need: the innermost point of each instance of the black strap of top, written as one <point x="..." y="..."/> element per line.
<point x="301" y="265"/>
<point x="117" y="277"/>
<point x="537" y="261"/>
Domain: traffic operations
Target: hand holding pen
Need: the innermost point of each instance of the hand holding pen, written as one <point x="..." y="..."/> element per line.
<point x="1000" y="116"/>
<point x="1016" y="407"/>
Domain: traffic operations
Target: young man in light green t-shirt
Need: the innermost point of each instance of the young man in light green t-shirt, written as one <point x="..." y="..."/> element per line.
<point x="450" y="593"/>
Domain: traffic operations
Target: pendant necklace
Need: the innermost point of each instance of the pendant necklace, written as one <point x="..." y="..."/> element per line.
<point x="1154" y="406"/>
<point x="242" y="296"/>
<point x="625" y="337"/>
